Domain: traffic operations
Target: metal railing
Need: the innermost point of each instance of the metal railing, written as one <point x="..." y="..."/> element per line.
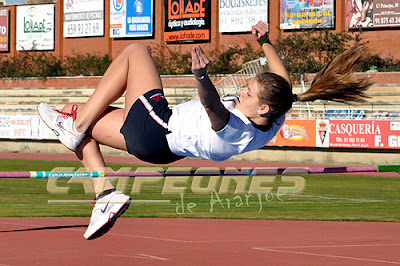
<point x="233" y="83"/>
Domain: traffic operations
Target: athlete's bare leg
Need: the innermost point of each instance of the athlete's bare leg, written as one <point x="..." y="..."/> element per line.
<point x="104" y="130"/>
<point x="132" y="72"/>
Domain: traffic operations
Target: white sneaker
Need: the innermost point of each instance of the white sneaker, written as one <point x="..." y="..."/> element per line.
<point x="62" y="124"/>
<point x="105" y="212"/>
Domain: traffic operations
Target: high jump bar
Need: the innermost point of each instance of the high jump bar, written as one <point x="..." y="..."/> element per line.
<point x="203" y="172"/>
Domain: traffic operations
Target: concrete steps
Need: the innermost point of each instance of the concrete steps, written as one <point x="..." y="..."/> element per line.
<point x="25" y="100"/>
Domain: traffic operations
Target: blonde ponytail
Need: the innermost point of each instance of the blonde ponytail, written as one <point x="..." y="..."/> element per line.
<point x="335" y="83"/>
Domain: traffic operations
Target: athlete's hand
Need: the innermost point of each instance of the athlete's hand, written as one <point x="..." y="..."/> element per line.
<point x="260" y="31"/>
<point x="199" y="62"/>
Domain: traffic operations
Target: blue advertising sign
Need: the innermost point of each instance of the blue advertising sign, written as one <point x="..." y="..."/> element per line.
<point x="131" y="18"/>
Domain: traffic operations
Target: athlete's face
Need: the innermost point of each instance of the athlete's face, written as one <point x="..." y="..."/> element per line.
<point x="249" y="103"/>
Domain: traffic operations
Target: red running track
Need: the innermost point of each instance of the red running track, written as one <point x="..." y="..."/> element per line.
<point x="149" y="241"/>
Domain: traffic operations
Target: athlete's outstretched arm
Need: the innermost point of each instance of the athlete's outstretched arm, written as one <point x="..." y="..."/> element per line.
<point x="209" y="96"/>
<point x="260" y="33"/>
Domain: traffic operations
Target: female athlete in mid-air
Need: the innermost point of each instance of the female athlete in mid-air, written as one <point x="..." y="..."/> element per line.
<point x="210" y="128"/>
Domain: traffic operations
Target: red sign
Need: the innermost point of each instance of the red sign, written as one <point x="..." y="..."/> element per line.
<point x="4" y="30"/>
<point x="371" y="134"/>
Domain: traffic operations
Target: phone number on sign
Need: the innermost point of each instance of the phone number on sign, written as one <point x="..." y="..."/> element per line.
<point x="83" y="29"/>
<point x="387" y="20"/>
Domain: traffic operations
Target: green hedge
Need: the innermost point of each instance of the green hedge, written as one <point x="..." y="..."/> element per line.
<point x="40" y="64"/>
<point x="301" y="52"/>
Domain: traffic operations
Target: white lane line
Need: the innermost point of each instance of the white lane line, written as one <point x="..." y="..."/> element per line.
<point x="138" y="256"/>
<point x="328" y="256"/>
<point x="153" y="238"/>
<point x="151" y="257"/>
<point x="332" y="246"/>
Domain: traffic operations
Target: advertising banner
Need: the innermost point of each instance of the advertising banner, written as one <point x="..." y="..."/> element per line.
<point x="4" y="29"/>
<point x="22" y="2"/>
<point x="297" y="133"/>
<point x="307" y="14"/>
<point x="187" y="20"/>
<point x="131" y="18"/>
<point x="324" y="133"/>
<point x="386" y="13"/>
<point x="24" y="127"/>
<point x="239" y="16"/>
<point x="371" y="134"/>
<point x="83" y="18"/>
<point x="372" y="13"/>
<point x="35" y="27"/>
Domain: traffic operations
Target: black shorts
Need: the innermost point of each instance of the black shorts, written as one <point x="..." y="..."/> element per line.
<point x="145" y="129"/>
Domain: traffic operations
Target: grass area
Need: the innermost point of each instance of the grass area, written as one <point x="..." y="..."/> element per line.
<point x="325" y="197"/>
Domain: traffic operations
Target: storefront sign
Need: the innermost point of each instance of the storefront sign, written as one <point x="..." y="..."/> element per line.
<point x="239" y="16"/>
<point x="35" y="27"/>
<point x="83" y="18"/>
<point x="4" y="30"/>
<point x="187" y="20"/>
<point x="131" y="18"/>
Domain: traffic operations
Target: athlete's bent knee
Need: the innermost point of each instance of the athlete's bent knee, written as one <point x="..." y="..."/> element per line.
<point x="136" y="47"/>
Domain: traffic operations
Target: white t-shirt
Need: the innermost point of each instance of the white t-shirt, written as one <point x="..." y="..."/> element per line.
<point x="192" y="136"/>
